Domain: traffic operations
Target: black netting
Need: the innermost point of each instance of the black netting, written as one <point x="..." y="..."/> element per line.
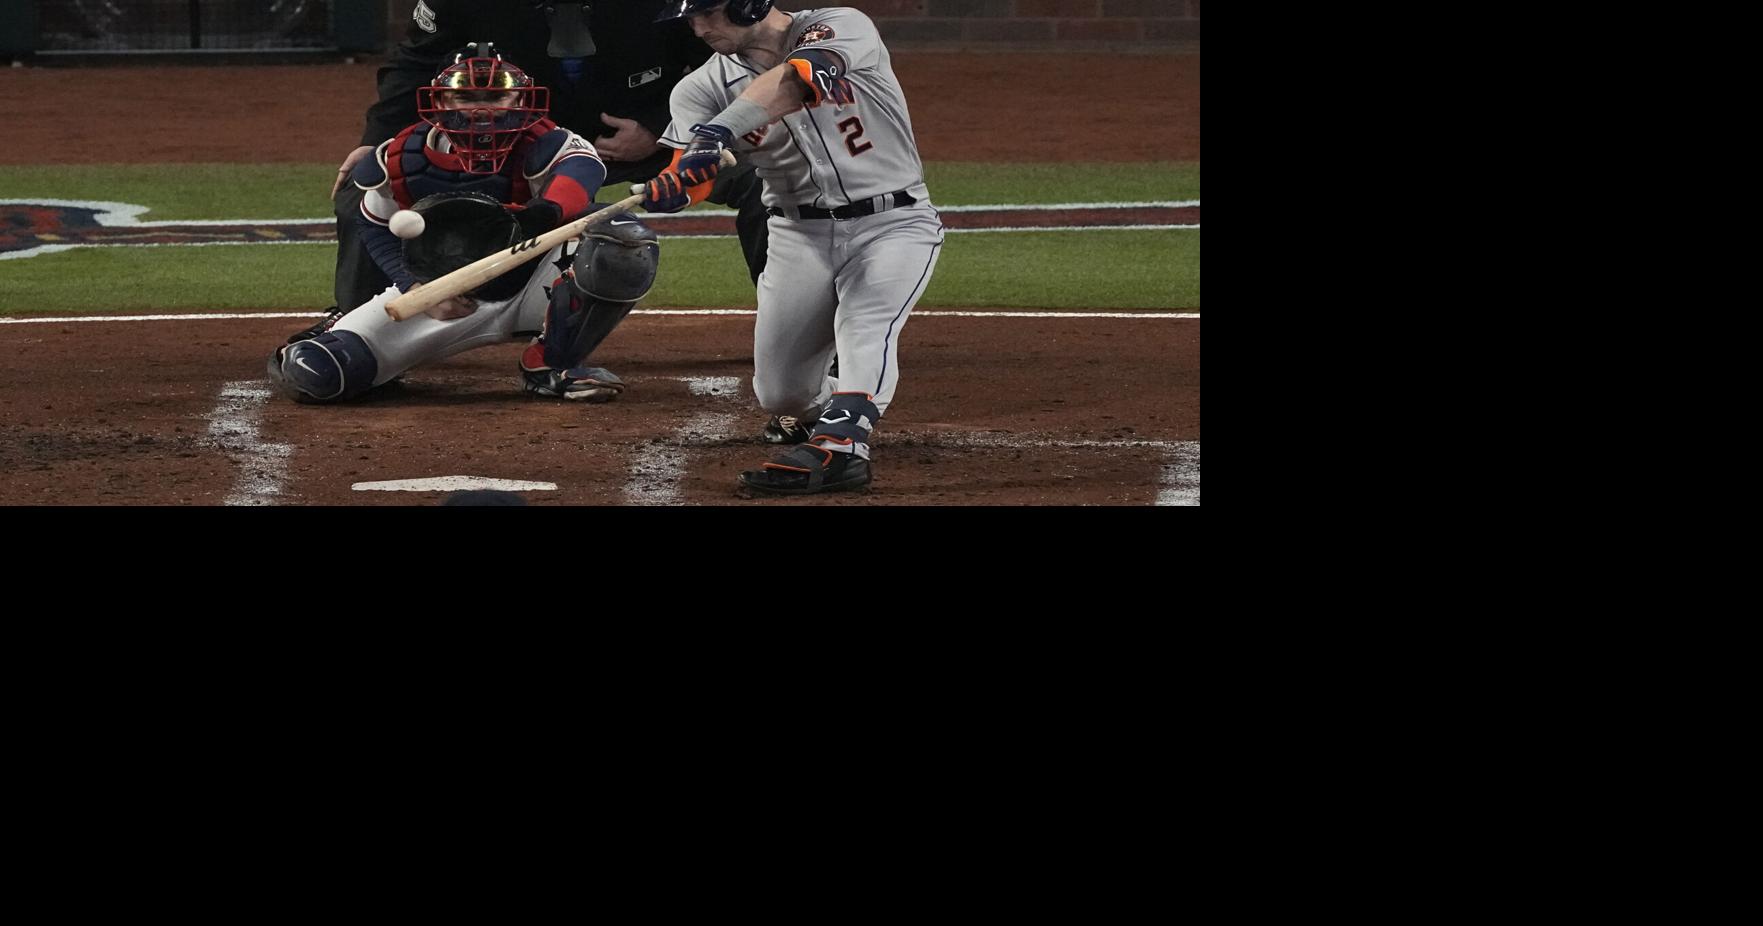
<point x="124" y="26"/>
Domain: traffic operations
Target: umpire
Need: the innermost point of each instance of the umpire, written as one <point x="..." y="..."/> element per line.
<point x="610" y="69"/>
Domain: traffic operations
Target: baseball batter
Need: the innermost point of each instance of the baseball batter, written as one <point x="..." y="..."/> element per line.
<point x="485" y="170"/>
<point x="810" y="98"/>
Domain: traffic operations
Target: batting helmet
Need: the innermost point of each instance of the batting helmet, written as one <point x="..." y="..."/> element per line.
<point x="740" y="12"/>
<point x="483" y="104"/>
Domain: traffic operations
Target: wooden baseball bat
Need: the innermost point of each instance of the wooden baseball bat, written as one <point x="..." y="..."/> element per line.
<point x="485" y="269"/>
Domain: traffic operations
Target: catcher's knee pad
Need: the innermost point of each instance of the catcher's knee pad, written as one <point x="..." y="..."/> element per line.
<point x="333" y="367"/>
<point x="846" y="423"/>
<point x="617" y="260"/>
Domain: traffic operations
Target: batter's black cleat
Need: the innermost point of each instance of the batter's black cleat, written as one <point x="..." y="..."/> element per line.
<point x="579" y="384"/>
<point x="788" y="429"/>
<point x="808" y="469"/>
<point x="332" y="315"/>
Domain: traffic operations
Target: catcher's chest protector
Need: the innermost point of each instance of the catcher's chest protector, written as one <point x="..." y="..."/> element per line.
<point x="412" y="174"/>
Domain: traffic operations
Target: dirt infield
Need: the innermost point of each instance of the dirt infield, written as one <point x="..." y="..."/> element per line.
<point x="990" y="410"/>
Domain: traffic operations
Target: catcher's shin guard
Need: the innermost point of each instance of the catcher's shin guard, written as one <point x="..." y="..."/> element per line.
<point x="333" y="367"/>
<point x="613" y="267"/>
<point x="576" y="324"/>
<point x="554" y="364"/>
<point x="835" y="458"/>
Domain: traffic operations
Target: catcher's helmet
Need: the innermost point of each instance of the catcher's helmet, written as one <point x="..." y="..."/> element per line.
<point x="740" y="12"/>
<point x="483" y="104"/>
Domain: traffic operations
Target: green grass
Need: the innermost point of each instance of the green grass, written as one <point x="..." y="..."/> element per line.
<point x="137" y="280"/>
<point x="180" y="192"/>
<point x="1115" y="269"/>
<point x="961" y="184"/>
<point x="1108" y="269"/>
<point x="1104" y="269"/>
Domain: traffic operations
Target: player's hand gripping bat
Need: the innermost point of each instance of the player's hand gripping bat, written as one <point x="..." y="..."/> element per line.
<point x="483" y="270"/>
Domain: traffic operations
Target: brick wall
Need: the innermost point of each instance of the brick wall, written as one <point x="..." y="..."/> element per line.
<point x="1074" y="25"/>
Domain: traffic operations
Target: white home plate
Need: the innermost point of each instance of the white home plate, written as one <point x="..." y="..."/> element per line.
<point x="454" y="484"/>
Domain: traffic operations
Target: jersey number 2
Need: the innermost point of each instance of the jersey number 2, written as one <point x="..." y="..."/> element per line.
<point x="852" y="128"/>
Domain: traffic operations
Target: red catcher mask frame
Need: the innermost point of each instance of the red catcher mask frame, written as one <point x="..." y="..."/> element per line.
<point x="482" y="133"/>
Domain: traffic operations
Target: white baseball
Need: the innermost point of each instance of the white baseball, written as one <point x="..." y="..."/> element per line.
<point x="406" y="224"/>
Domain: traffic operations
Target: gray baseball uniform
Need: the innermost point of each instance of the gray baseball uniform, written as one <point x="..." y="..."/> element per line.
<point x="854" y="237"/>
<point x="399" y="346"/>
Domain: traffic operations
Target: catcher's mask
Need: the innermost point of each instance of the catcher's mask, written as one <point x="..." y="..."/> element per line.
<point x="482" y="104"/>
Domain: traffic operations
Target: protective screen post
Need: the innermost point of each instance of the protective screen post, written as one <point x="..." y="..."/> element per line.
<point x="483" y="270"/>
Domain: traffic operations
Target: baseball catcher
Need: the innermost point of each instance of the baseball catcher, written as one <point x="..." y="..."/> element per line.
<point x="484" y="170"/>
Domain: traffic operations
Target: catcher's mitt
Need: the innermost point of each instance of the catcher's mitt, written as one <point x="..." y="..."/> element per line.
<point x="459" y="228"/>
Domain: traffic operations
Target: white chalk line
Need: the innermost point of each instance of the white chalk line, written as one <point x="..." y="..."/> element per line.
<point x="933" y="313"/>
<point x="655" y="477"/>
<point x="996" y="207"/>
<point x="220" y="316"/>
<point x="206" y="316"/>
<point x="453" y="484"/>
<point x="1181" y="477"/>
<point x="1062" y="229"/>
<point x="232" y="428"/>
<point x="1066" y="229"/>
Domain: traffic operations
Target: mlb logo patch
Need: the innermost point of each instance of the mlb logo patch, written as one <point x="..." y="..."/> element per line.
<point x="652" y="74"/>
